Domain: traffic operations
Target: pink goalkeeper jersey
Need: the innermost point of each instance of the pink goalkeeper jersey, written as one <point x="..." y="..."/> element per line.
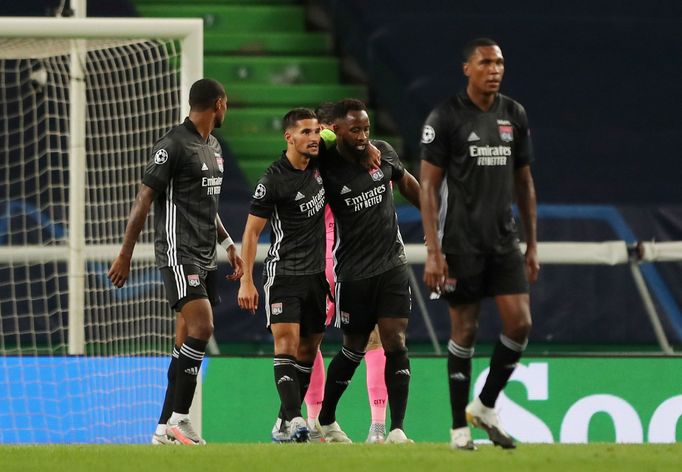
<point x="329" y="266"/>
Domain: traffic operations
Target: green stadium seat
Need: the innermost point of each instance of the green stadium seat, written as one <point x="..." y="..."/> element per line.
<point x="269" y="64"/>
<point x="258" y="121"/>
<point x="272" y="70"/>
<point x="233" y="18"/>
<point x="256" y="147"/>
<point x="253" y="121"/>
<point x="266" y="43"/>
<point x="308" y="95"/>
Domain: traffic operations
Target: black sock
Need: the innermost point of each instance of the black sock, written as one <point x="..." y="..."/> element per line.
<point x="459" y="379"/>
<point x="189" y="363"/>
<point x="304" y="370"/>
<point x="167" y="409"/>
<point x="286" y="381"/>
<point x="339" y="375"/>
<point x="502" y="364"/>
<point x="397" y="376"/>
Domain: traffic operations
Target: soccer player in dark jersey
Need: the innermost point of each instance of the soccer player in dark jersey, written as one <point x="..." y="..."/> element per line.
<point x="291" y="196"/>
<point x="183" y="179"/>
<point x="375" y="360"/>
<point x="476" y="150"/>
<point x="372" y="285"/>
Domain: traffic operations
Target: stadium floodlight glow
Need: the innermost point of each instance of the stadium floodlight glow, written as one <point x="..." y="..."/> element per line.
<point x="82" y="102"/>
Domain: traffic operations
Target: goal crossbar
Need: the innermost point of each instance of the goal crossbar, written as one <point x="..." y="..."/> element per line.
<point x="115" y="28"/>
<point x="565" y="252"/>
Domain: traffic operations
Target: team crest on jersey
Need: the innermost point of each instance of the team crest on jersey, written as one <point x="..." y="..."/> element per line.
<point x="318" y="177"/>
<point x="428" y="134"/>
<point x="259" y="192"/>
<point x="193" y="280"/>
<point x="276" y="308"/>
<point x="506" y="133"/>
<point x="160" y="157"/>
<point x="345" y="317"/>
<point x="376" y="174"/>
<point x="219" y="160"/>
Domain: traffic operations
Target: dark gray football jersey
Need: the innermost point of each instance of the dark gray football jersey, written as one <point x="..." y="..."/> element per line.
<point x="293" y="200"/>
<point x="368" y="240"/>
<point x="187" y="173"/>
<point x="479" y="151"/>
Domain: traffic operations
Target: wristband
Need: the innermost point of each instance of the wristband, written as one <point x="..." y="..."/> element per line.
<point x="227" y="242"/>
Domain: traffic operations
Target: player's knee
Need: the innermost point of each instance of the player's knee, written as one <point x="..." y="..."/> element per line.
<point x="356" y="342"/>
<point x="307" y="352"/>
<point x="393" y="341"/>
<point x="465" y="332"/>
<point x="287" y="343"/>
<point x="204" y="331"/>
<point x="520" y="330"/>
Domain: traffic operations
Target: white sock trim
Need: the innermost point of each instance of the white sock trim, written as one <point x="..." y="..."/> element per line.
<point x="459" y="351"/>
<point x="352" y="356"/>
<point x="513" y="345"/>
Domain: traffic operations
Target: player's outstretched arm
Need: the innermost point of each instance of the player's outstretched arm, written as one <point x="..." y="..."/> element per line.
<point x="228" y="244"/>
<point x="526" y="201"/>
<point x="435" y="268"/>
<point x="409" y="187"/>
<point x="247" y="297"/>
<point x="120" y="268"/>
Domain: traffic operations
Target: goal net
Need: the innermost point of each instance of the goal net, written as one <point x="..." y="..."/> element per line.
<point x="79" y="360"/>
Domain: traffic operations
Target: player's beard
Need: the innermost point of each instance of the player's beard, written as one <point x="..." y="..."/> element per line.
<point x="218" y="122"/>
<point x="359" y="155"/>
<point x="309" y="155"/>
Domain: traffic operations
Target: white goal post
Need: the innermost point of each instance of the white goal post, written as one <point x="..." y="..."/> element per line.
<point x="82" y="100"/>
<point x="188" y="31"/>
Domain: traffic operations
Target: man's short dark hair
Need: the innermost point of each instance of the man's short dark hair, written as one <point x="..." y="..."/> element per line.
<point x="470" y="47"/>
<point x="297" y="114"/>
<point x="325" y="113"/>
<point x="204" y="93"/>
<point x="342" y="107"/>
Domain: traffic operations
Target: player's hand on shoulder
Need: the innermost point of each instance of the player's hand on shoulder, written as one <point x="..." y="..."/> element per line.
<point x="374" y="160"/>
<point x="119" y="271"/>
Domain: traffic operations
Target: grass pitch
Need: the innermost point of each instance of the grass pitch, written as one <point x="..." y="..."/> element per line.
<point x="426" y="457"/>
